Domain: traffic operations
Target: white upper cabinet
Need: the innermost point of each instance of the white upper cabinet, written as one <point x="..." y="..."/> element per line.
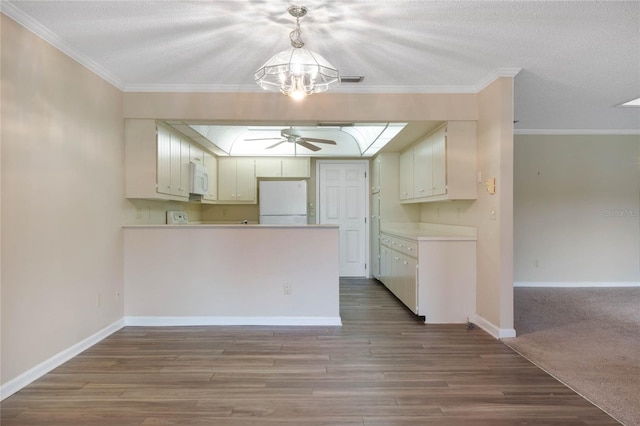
<point x="156" y="162"/>
<point x="211" y="164"/>
<point x="442" y="166"/>
<point x="422" y="169"/>
<point x="268" y="167"/>
<point x="375" y="175"/>
<point x="237" y="180"/>
<point x="196" y="155"/>
<point x="288" y="167"/>
<point x="298" y="167"/>
<point x="406" y="175"/>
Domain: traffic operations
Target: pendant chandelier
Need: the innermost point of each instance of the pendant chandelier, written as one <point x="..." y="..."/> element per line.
<point x="297" y="72"/>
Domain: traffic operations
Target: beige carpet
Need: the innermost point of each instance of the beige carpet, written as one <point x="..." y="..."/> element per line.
<point x="588" y="338"/>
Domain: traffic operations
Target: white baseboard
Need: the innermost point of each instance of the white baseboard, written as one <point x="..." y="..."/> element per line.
<point x="576" y="284"/>
<point x="29" y="376"/>
<point x="489" y="327"/>
<point x="193" y="321"/>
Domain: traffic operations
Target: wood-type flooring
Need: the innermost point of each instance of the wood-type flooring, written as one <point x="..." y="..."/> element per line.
<point x="382" y="367"/>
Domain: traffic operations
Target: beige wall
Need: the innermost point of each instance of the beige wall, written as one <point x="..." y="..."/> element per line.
<point x="576" y="209"/>
<point x="495" y="236"/>
<point x="62" y="201"/>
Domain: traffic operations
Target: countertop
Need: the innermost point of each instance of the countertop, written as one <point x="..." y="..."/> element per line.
<point x="422" y="231"/>
<point x="230" y="226"/>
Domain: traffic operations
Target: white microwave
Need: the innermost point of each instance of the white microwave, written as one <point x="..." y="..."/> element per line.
<point x="199" y="179"/>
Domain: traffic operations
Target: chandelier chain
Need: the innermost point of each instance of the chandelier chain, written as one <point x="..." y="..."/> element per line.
<point x="296" y="35"/>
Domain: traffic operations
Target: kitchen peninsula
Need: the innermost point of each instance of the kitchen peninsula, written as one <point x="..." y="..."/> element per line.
<point x="231" y="275"/>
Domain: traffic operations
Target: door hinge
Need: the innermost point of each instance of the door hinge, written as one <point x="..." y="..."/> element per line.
<point x="365" y="266"/>
<point x="365" y="175"/>
<point x="365" y="220"/>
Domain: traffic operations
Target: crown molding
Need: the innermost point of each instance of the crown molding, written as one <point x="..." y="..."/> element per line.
<point x="346" y="88"/>
<point x="583" y="132"/>
<point x="496" y="74"/>
<point x="221" y="88"/>
<point x="13" y="12"/>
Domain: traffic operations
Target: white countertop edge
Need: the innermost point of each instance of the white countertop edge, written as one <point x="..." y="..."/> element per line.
<point x="422" y="231"/>
<point x="230" y="226"/>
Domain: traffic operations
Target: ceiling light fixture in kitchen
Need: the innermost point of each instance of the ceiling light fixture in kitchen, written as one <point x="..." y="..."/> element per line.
<point x="297" y="72"/>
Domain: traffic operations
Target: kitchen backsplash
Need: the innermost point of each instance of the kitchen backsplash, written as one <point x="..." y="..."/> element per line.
<point x="152" y="212"/>
<point x="229" y="213"/>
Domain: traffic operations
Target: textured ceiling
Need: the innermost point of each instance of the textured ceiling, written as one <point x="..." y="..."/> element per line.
<point x="578" y="60"/>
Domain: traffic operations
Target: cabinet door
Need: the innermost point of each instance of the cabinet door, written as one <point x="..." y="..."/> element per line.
<point x="226" y="179"/>
<point x="245" y="179"/>
<point x="164" y="161"/>
<point x="176" y="164"/>
<point x="268" y="167"/>
<point x="375" y="175"/>
<point x="196" y="155"/>
<point x="439" y="162"/>
<point x="296" y="167"/>
<point x="375" y="235"/>
<point x="409" y="282"/>
<point x="211" y="163"/>
<point x="185" y="156"/>
<point x="422" y="182"/>
<point x="406" y="175"/>
<point x="384" y="265"/>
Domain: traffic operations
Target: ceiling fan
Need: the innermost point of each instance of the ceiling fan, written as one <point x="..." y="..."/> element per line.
<point x="291" y="136"/>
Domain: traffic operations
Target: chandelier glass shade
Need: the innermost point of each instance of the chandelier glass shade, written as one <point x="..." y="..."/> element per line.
<point x="297" y="72"/>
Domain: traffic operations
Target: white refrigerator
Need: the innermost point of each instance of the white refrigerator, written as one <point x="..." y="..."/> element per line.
<point x="283" y="202"/>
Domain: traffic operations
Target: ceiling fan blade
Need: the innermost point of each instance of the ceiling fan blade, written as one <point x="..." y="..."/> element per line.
<point x="327" y="141"/>
<point x="276" y="144"/>
<point x="263" y="139"/>
<point x="308" y="145"/>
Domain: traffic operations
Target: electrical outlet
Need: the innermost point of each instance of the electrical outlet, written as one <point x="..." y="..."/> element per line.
<point x="286" y="289"/>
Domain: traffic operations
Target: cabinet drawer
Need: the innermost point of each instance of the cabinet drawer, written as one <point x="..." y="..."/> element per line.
<point x="401" y="245"/>
<point x="410" y="248"/>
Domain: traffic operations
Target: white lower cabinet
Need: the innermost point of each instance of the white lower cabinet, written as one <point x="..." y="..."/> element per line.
<point x="399" y="270"/>
<point x="434" y="278"/>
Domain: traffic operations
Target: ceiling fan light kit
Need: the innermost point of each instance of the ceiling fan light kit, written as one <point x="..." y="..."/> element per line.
<point x="297" y="72"/>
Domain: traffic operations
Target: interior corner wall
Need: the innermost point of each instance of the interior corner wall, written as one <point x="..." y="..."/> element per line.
<point x="62" y="177"/>
<point x="495" y="231"/>
<point x="494" y="272"/>
<point x="577" y="201"/>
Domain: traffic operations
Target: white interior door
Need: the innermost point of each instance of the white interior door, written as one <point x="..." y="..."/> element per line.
<point x="342" y="200"/>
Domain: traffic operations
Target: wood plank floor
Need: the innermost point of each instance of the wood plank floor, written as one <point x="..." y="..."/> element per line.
<point x="382" y="367"/>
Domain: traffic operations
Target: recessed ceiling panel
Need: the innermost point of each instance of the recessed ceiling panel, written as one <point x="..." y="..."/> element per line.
<point x="354" y="140"/>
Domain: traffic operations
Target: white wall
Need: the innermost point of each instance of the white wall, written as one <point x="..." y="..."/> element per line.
<point x="62" y="202"/>
<point x="577" y="201"/>
<point x="232" y="275"/>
